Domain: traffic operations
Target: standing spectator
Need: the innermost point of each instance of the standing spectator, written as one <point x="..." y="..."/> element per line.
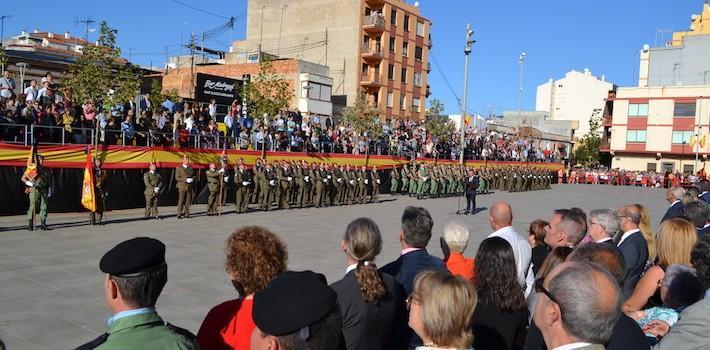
<point x="31" y="91"/>
<point x="7" y="86"/>
<point x="674" y="196"/>
<point x="128" y="130"/>
<point x="254" y="257"/>
<point x="676" y="239"/>
<point x="212" y="109"/>
<point x="647" y="232"/>
<point x="699" y="213"/>
<point x="441" y="309"/>
<point x="578" y="306"/>
<point x="501" y="316"/>
<point x="501" y="221"/>
<point x="453" y="243"/>
<point x="371" y="302"/>
<point x="633" y="247"/>
<point x="603" y="225"/>
<point x="536" y="238"/>
<point x="565" y="229"/>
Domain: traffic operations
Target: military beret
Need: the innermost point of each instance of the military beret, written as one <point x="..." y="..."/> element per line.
<point x="292" y="301"/>
<point x="134" y="257"/>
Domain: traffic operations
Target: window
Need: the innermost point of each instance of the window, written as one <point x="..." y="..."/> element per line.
<point x="313" y="91"/>
<point x="406" y="23"/>
<point x="420" y="29"/>
<point x="681" y="137"/>
<point x="684" y="109"/>
<point x="390" y="72"/>
<point x="316" y="91"/>
<point x="405" y="49"/>
<point x="418" y="53"/>
<point x="401" y="102"/>
<point x="688" y="169"/>
<point x="393" y="17"/>
<point x="417" y="78"/>
<point x="638" y="110"/>
<point x="651" y="167"/>
<point x="404" y="75"/>
<point x="390" y="100"/>
<point x="393" y="44"/>
<point x="636" y="136"/>
<point x="416" y="103"/>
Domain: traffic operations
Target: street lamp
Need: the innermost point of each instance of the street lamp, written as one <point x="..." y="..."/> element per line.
<point x="23" y="67"/>
<point x="521" y="62"/>
<point x="467" y="53"/>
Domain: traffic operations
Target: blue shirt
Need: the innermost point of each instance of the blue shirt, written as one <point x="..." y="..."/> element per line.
<point x="127" y="313"/>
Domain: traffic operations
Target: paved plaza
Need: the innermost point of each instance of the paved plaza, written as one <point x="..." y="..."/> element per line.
<point x="51" y="290"/>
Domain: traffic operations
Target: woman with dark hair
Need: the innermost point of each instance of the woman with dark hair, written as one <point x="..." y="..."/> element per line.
<point x="501" y="315"/>
<point x="254" y="257"/>
<point x="370" y="301"/>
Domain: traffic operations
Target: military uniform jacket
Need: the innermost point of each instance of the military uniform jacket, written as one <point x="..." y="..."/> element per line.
<point x="240" y="177"/>
<point x="42" y="180"/>
<point x="181" y="175"/>
<point x="374" y="177"/>
<point x="143" y="331"/>
<point x="151" y="181"/>
<point x="213" y="179"/>
<point x="99" y="178"/>
<point x="394" y="173"/>
<point x="361" y="176"/>
<point x="283" y="175"/>
<point x="269" y="176"/>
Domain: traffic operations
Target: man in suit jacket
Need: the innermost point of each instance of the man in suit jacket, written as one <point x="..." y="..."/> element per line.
<point x="633" y="247"/>
<point x="185" y="178"/>
<point x="471" y="187"/>
<point x="673" y="196"/>
<point x="699" y="214"/>
<point x="704" y="187"/>
<point x="414" y="237"/>
<point x="603" y="225"/>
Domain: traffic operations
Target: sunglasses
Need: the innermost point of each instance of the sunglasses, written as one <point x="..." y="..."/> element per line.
<point x="539" y="288"/>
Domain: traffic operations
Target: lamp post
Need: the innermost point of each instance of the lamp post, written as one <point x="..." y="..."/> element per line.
<point x="521" y="62"/>
<point x="467" y="53"/>
<point x="23" y="67"/>
<point x="682" y="155"/>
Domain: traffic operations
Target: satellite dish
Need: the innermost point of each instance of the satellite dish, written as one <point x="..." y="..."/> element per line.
<point x="646" y="47"/>
<point x="416" y="4"/>
<point x="693" y="17"/>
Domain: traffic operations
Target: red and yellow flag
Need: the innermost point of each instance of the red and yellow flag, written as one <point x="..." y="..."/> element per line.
<point x="88" y="198"/>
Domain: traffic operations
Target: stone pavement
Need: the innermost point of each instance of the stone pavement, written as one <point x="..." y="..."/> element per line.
<point x="51" y="290"/>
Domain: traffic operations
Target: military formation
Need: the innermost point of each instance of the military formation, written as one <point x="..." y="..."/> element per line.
<point x="519" y="179"/>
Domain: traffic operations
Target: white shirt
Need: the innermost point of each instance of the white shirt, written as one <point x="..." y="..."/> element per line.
<point x="350" y="268"/>
<point x="31" y="94"/>
<point x="626" y="235"/>
<point x="674" y="202"/>
<point x="603" y="240"/>
<point x="571" y="346"/>
<point x="521" y="250"/>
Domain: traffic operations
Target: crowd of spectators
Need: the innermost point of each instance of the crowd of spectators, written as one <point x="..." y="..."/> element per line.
<point x="621" y="177"/>
<point x="596" y="280"/>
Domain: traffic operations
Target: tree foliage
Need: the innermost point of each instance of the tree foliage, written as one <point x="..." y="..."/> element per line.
<point x="157" y="95"/>
<point x="587" y="152"/>
<point x="363" y="118"/>
<point x="439" y="127"/>
<point x="268" y="92"/>
<point x="98" y="73"/>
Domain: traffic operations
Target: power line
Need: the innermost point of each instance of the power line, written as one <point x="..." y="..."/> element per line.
<point x="199" y="9"/>
<point x="446" y="80"/>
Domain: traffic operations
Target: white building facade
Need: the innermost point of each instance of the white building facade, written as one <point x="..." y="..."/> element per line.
<point x="574" y="98"/>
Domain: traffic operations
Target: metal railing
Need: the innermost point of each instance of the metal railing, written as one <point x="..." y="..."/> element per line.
<point x="374" y="21"/>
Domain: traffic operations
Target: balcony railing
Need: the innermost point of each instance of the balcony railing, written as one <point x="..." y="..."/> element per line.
<point x="372" y="53"/>
<point x="374" y="22"/>
<point x="369" y="79"/>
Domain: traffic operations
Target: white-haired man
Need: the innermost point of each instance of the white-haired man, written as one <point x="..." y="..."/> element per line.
<point x="673" y="197"/>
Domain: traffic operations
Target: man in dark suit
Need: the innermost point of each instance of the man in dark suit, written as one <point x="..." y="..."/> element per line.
<point x="704" y="187"/>
<point x="414" y="237"/>
<point x="633" y="247"/>
<point x="699" y="213"/>
<point x="471" y="187"/>
<point x="673" y="196"/>
<point x="603" y="225"/>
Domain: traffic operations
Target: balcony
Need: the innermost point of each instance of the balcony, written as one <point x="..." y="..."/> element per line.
<point x="377" y="4"/>
<point x="428" y="67"/>
<point x="373" y="24"/>
<point x="430" y="43"/>
<point x="370" y="54"/>
<point x="370" y="80"/>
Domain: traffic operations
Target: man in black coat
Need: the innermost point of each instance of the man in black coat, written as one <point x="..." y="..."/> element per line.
<point x="633" y="247"/>
<point x="699" y="214"/>
<point x="471" y="187"/>
<point x="673" y="196"/>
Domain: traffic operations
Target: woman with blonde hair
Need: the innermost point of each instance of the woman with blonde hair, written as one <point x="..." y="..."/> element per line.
<point x="647" y="232"/>
<point x="676" y="238"/>
<point x="440" y="310"/>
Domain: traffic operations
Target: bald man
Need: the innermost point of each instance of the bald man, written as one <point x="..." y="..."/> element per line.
<point x="501" y="220"/>
<point x="578" y="305"/>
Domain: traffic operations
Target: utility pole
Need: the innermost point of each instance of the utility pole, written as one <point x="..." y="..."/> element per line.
<point x="2" y="29"/>
<point x="281" y="25"/>
<point x="167" y="60"/>
<point x="86" y="21"/>
<point x="521" y="62"/>
<point x="466" y="52"/>
<point x="326" y="46"/>
<point x="192" y="65"/>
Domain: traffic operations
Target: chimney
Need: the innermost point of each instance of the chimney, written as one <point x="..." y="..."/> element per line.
<point x="67" y="35"/>
<point x="603" y="77"/>
<point x="50" y="35"/>
<point x="586" y="71"/>
<point x="36" y="31"/>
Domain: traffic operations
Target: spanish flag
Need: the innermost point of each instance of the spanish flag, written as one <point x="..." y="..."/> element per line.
<point x="88" y="197"/>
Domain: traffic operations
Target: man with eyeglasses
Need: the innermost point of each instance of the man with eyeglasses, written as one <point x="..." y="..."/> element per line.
<point x="632" y="246"/>
<point x="603" y="225"/>
<point x="578" y="306"/>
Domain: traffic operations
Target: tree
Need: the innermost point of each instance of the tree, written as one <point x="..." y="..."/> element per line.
<point x="364" y="119"/>
<point x="439" y="127"/>
<point x="99" y="71"/>
<point x="587" y="152"/>
<point x="3" y="59"/>
<point x="157" y="95"/>
<point x="268" y="92"/>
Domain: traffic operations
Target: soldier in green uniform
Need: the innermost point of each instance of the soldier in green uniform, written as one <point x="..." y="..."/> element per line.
<point x="405" y="178"/>
<point x="283" y="173"/>
<point x="184" y="177"/>
<point x="423" y="180"/>
<point x="136" y="273"/>
<point x="213" y="178"/>
<point x="37" y="184"/>
<point x="152" y="182"/>
<point x="413" y="180"/>
<point x="299" y="181"/>
<point x="394" y="180"/>
<point x="349" y="179"/>
<point x="258" y="171"/>
<point x="321" y="182"/>
<point x="375" y="184"/>
<point x="362" y="184"/>
<point x="337" y="185"/>
<point x="242" y="182"/>
<point x="434" y="182"/>
<point x="269" y="184"/>
<point x="442" y="181"/>
<point x="311" y="183"/>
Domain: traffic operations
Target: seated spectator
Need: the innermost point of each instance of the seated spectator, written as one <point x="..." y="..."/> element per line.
<point x="536" y="238"/>
<point x="680" y="288"/>
<point x="699" y="214"/>
<point x="578" y="306"/>
<point x="136" y="273"/>
<point x="297" y="310"/>
<point x="501" y="315"/>
<point x="676" y="239"/>
<point x="441" y="309"/>
<point x="254" y="257"/>
<point x="371" y="302"/>
<point x="453" y="243"/>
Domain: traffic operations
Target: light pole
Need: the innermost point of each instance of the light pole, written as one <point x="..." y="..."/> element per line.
<point x="521" y="62"/>
<point x="23" y="68"/>
<point x="466" y="52"/>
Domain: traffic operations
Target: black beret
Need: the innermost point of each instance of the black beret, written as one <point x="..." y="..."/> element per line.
<point x="292" y="301"/>
<point x="134" y="257"/>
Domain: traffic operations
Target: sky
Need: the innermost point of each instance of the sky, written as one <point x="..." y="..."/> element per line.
<point x="556" y="35"/>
